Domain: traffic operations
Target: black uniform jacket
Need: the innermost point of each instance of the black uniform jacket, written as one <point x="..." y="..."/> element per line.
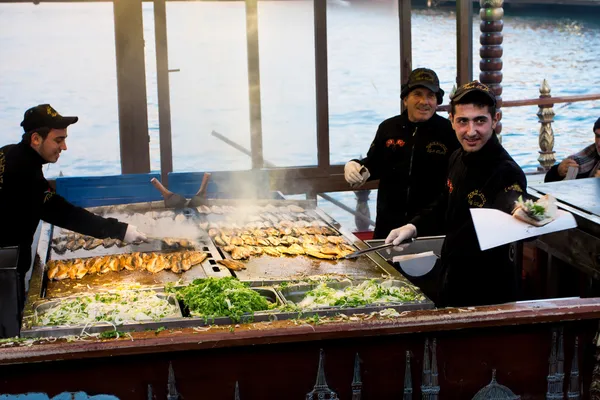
<point x="26" y="197"/>
<point x="488" y="178"/>
<point x="410" y="161"/>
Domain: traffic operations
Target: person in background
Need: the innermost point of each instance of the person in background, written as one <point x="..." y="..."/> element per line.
<point x="587" y="161"/>
<point x="408" y="156"/>
<point x="480" y="174"/>
<point x="26" y="197"/>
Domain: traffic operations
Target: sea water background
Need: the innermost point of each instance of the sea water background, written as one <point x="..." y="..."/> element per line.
<point x="64" y="54"/>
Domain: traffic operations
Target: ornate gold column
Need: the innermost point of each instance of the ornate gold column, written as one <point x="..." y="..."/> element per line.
<point x="546" y="138"/>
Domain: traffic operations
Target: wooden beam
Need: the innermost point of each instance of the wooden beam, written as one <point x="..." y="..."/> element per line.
<point x="256" y="140"/>
<point x="131" y="87"/>
<point x="322" y="87"/>
<point x="404" y="16"/>
<point x="162" y="83"/>
<point x="464" y="42"/>
<point x="540" y="101"/>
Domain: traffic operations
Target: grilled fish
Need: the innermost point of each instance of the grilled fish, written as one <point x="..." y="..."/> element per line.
<point x="274" y="241"/>
<point x="197" y="257"/>
<point x="219" y="241"/>
<point x="240" y="253"/>
<point x="63" y="271"/>
<point x="317" y="254"/>
<point x="263" y="242"/>
<point x="60" y="248"/>
<point x="109" y="242"/>
<point x="321" y="239"/>
<point x="271" y="251"/>
<point x="295" y="209"/>
<point x="52" y="269"/>
<point x="335" y="239"/>
<point x="232" y="264"/>
<point x="237" y="241"/>
<point x="92" y="243"/>
<point x="212" y="232"/>
<point x="249" y="240"/>
<point x="121" y="243"/>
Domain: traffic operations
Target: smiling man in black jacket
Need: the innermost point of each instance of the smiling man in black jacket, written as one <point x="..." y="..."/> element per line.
<point x="409" y="156"/>
<point x="26" y="197"/>
<point x="481" y="174"/>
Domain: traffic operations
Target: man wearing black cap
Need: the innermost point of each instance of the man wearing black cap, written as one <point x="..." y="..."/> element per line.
<point x="481" y="174"/>
<point x="586" y="162"/>
<point x="26" y="197"/>
<point x="409" y="155"/>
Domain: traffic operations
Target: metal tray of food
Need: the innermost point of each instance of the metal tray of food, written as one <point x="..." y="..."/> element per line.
<point x="295" y="293"/>
<point x="102" y="282"/>
<point x="32" y="329"/>
<point x="273" y="269"/>
<point x="258" y="316"/>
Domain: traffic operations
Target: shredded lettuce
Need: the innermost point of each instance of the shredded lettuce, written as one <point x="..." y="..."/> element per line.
<point x="368" y="292"/>
<point x="225" y="297"/>
<point x="116" y="308"/>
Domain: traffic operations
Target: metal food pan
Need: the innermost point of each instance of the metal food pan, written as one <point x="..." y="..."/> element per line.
<point x="259" y="316"/>
<point x="297" y="292"/>
<point x="33" y="330"/>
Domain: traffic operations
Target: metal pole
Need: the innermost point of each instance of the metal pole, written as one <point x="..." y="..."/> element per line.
<point x="256" y="140"/>
<point x="162" y="83"/>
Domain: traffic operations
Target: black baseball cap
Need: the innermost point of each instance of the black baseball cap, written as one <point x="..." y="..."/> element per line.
<point x="473" y="87"/>
<point x="44" y="116"/>
<point x="423" y="77"/>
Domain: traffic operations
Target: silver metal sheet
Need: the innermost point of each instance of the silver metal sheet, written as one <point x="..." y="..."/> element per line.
<point x="583" y="194"/>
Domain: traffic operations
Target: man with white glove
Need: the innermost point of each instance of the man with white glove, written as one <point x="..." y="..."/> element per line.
<point x="132" y="235"/>
<point x="409" y="156"/>
<point x="481" y="174"/>
<point x="355" y="174"/>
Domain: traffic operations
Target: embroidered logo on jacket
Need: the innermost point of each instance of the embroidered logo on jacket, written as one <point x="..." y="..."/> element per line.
<point x="514" y="187"/>
<point x="450" y="186"/>
<point x="394" y="143"/>
<point x="476" y="198"/>
<point x="437" y="148"/>
<point x="48" y="194"/>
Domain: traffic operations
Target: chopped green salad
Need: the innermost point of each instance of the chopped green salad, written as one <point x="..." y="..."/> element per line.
<point x="116" y="308"/>
<point x="225" y="297"/>
<point x="368" y="292"/>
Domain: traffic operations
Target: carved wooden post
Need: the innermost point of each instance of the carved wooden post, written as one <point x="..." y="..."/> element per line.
<point x="490" y="66"/>
<point x="546" y="138"/>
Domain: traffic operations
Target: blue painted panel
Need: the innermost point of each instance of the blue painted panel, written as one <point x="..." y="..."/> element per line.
<point x="107" y="190"/>
<point x="62" y="396"/>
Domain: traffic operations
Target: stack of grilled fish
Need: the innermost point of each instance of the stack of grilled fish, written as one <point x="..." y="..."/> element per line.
<point x="74" y="241"/>
<point x="285" y="238"/>
<point x="269" y="208"/>
<point x="177" y="262"/>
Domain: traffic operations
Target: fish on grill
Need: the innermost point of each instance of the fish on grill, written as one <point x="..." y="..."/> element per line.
<point x="121" y="243"/>
<point x="271" y="251"/>
<point x="212" y="232"/>
<point x="92" y="243"/>
<point x="295" y="209"/>
<point x="177" y="243"/>
<point x="335" y="239"/>
<point x="285" y="231"/>
<point x="52" y="269"/>
<point x="321" y="239"/>
<point x="219" y="241"/>
<point x="232" y="264"/>
<point x="60" y="247"/>
<point x="203" y="209"/>
<point x="293" y="250"/>
<point x="249" y="240"/>
<point x="237" y="241"/>
<point x="240" y="253"/>
<point x="315" y="251"/>
<point x="109" y="242"/>
<point x="263" y="242"/>
<point x="259" y="233"/>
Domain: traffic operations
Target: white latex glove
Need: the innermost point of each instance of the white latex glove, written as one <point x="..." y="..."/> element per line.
<point x="401" y="234"/>
<point x="132" y="235"/>
<point x="353" y="174"/>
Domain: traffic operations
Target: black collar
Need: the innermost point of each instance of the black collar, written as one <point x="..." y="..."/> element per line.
<point x="488" y="153"/>
<point x="31" y="155"/>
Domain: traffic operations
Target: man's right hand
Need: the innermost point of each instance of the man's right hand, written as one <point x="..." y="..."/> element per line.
<point x="401" y="234"/>
<point x="352" y="173"/>
<point x="563" y="167"/>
